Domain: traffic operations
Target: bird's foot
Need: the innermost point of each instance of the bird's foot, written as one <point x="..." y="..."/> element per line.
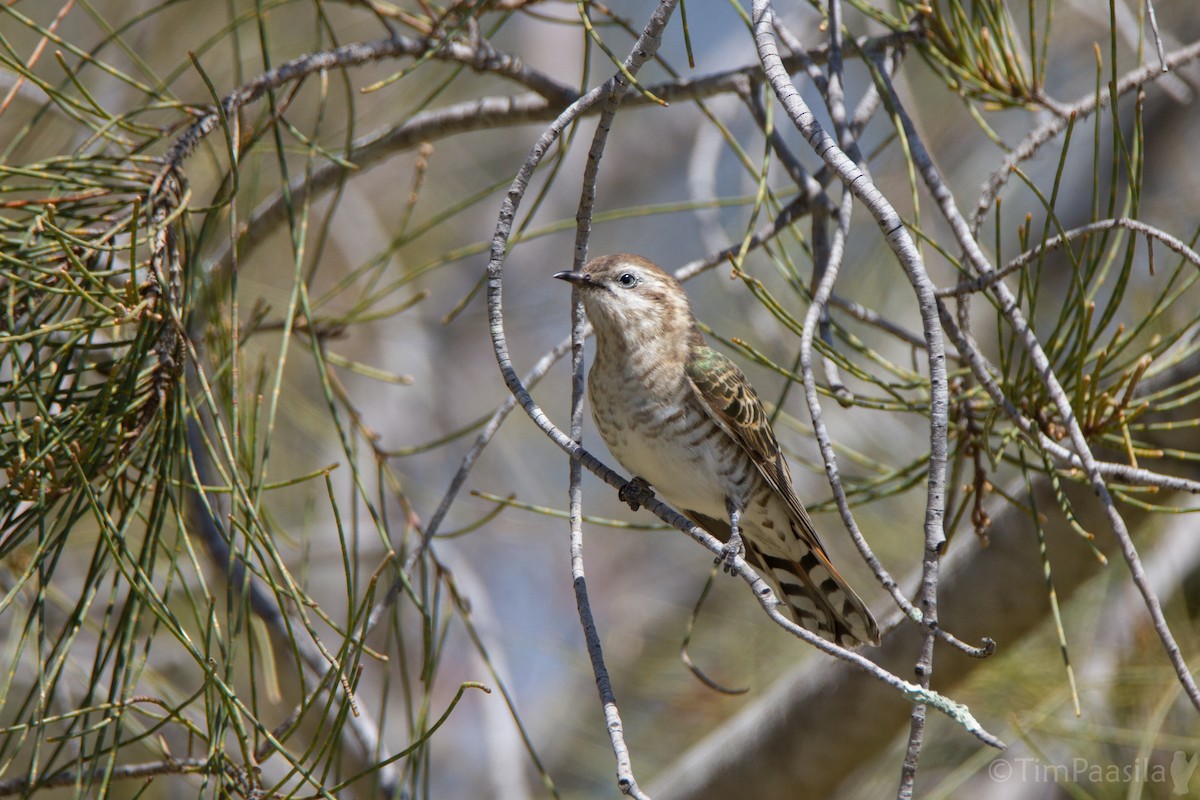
<point x="734" y="547"/>
<point x="731" y="551"/>
<point x="636" y="493"/>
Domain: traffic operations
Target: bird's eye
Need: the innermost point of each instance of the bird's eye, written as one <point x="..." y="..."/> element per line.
<point x="627" y="279"/>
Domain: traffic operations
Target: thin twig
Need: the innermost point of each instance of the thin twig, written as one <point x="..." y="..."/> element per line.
<point x="1154" y="31"/>
<point x="645" y="48"/>
<point x="1080" y="109"/>
<point x="70" y="777"/>
<point x="1055" y="242"/>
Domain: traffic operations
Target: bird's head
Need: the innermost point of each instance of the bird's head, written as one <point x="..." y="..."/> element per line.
<point x="630" y="297"/>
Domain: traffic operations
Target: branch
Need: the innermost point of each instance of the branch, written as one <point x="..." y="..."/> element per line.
<point x="1059" y="240"/>
<point x="1010" y="309"/>
<point x="645" y="48"/>
<point x="71" y="777"/>
<point x="486" y="113"/>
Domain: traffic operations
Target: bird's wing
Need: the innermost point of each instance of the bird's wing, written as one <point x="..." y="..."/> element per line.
<point x="729" y="399"/>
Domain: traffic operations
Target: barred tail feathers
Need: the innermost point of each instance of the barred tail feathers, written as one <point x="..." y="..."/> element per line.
<point x="796" y="568"/>
<point x="817" y="598"/>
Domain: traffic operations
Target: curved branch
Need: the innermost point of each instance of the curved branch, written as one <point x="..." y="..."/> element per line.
<point x="1009" y="308"/>
<point x="901" y="242"/>
<point x="1056" y="242"/>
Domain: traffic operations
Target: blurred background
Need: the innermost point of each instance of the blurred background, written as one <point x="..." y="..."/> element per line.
<point x="300" y="378"/>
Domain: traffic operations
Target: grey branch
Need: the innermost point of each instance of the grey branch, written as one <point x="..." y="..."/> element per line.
<point x="71" y="777"/>
<point x="1010" y="309"/>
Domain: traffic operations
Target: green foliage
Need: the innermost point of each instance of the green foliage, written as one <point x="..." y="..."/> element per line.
<point x="216" y="276"/>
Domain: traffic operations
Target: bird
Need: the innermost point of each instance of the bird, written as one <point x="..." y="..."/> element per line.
<point x="685" y="421"/>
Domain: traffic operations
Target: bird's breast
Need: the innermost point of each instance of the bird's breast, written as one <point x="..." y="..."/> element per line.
<point x="656" y="428"/>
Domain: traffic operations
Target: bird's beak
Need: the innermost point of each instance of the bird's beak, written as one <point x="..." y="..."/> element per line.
<point x="577" y="278"/>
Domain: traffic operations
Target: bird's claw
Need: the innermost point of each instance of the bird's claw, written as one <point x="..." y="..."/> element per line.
<point x="636" y="493"/>
<point x="730" y="553"/>
<point x="733" y="546"/>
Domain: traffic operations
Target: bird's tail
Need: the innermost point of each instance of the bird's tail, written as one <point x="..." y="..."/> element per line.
<point x="815" y="595"/>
